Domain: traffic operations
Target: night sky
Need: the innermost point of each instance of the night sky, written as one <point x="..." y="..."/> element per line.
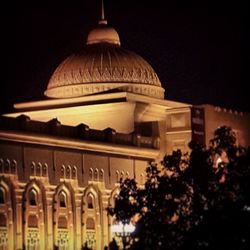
<point x="197" y="51"/>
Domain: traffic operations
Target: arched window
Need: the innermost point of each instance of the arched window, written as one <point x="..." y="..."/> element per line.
<point x="141" y="179"/>
<point x="62" y="199"/>
<point x="90" y="202"/>
<point x="32" y="167"/>
<point x="32" y="198"/>
<point x="114" y="198"/>
<point x="122" y="175"/>
<point x="1" y="166"/>
<point x="74" y="172"/>
<point x="96" y="174"/>
<point x="2" y="196"/>
<point x="7" y="166"/>
<point x="13" y="166"/>
<point x="117" y="176"/>
<point x="39" y="169"/>
<point x="90" y="224"/>
<point x="68" y="172"/>
<point x="91" y="174"/>
<point x="45" y="169"/>
<point x="101" y="175"/>
<point x="63" y="171"/>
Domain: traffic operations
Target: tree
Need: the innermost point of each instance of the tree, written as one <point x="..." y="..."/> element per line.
<point x="191" y="201"/>
<point x="164" y="201"/>
<point x="224" y="194"/>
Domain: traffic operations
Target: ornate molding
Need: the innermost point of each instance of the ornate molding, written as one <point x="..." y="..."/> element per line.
<point x="93" y="88"/>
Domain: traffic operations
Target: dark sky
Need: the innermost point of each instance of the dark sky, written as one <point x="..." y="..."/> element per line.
<point x="197" y="51"/>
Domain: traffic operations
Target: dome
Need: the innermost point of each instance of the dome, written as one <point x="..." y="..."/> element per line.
<point x="103" y="34"/>
<point x="103" y="65"/>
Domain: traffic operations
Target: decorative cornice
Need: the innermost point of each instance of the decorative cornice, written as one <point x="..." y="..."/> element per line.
<point x="113" y="149"/>
<point x="78" y="90"/>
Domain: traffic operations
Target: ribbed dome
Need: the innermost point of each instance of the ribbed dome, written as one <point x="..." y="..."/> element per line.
<point x="103" y="65"/>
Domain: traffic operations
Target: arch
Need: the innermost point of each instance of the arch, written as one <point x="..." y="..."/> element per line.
<point x="63" y="216"/>
<point x="117" y="176"/>
<point x="62" y="199"/>
<point x="67" y="191"/>
<point x="74" y="172"/>
<point x="34" y="214"/>
<point x="96" y="174"/>
<point x="68" y="172"/>
<point x="7" y="166"/>
<point x="33" y="168"/>
<point x="13" y="166"/>
<point x="111" y="219"/>
<point x="127" y="174"/>
<point x="7" y="197"/>
<point x="63" y="172"/>
<point x="101" y="177"/>
<point x="114" y="194"/>
<point x="141" y="179"/>
<point x="91" y="174"/>
<point x="39" y="169"/>
<point x="45" y="170"/>
<point x="2" y="196"/>
<point x="1" y="165"/>
<point x="94" y="192"/>
<point x="90" y="201"/>
<point x="32" y="197"/>
<point x="122" y="176"/>
<point x="34" y="193"/>
<point x="92" y="221"/>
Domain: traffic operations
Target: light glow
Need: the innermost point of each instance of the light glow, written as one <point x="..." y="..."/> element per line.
<point x="122" y="229"/>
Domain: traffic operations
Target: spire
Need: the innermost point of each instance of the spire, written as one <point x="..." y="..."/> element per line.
<point x="102" y="20"/>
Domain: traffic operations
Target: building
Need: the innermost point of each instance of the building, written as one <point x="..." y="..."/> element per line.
<point x="104" y="119"/>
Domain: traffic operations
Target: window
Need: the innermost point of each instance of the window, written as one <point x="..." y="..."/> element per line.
<point x="39" y="169"/>
<point x="33" y="165"/>
<point x="2" y="196"/>
<point x="122" y="176"/>
<point x="96" y="174"/>
<point x="141" y="179"/>
<point x="91" y="174"/>
<point x="74" y="172"/>
<point x="1" y="166"/>
<point x="68" y="172"/>
<point x="62" y="222"/>
<point x="63" y="171"/>
<point x="101" y="175"/>
<point x="45" y="170"/>
<point x="7" y="166"/>
<point x="90" y="224"/>
<point x="3" y="221"/>
<point x="32" y="221"/>
<point x="90" y="202"/>
<point x="62" y="199"/>
<point x="117" y="176"/>
<point x="32" y="198"/>
<point x="13" y="166"/>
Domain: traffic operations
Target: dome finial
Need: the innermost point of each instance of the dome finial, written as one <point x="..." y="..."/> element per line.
<point x="102" y="21"/>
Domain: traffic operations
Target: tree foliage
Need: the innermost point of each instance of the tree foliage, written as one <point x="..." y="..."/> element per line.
<point x="196" y="201"/>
